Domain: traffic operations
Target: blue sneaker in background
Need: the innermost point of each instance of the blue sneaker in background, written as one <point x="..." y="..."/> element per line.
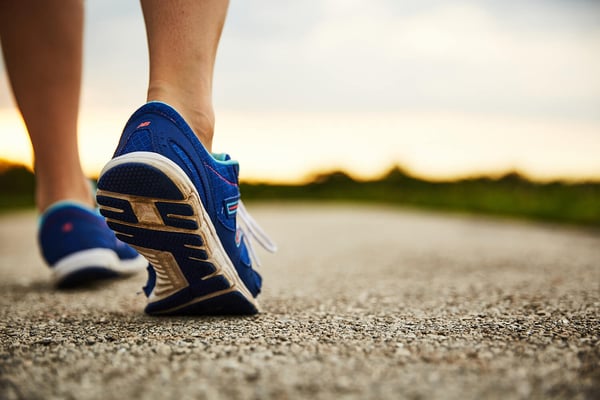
<point x="80" y="248"/>
<point x="165" y="195"/>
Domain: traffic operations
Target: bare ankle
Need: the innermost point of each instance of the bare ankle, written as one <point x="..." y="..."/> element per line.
<point x="202" y="123"/>
<point x="194" y="109"/>
<point x="49" y="192"/>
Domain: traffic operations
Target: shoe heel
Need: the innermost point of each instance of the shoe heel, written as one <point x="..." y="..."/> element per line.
<point x="154" y="210"/>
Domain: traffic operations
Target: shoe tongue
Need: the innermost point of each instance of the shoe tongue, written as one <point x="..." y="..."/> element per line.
<point x="225" y="158"/>
<point x="221" y="156"/>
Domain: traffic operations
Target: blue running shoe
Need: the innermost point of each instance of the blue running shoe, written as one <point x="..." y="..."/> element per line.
<point x="177" y="204"/>
<point x="80" y="249"/>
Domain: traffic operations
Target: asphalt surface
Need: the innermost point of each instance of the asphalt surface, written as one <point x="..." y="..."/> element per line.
<point x="360" y="302"/>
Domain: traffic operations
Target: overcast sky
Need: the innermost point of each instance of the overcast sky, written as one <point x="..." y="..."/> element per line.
<point x="501" y="56"/>
<point x="535" y="59"/>
<point x="504" y="56"/>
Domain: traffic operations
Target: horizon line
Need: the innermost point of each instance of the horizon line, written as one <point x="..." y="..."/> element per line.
<point x="314" y="175"/>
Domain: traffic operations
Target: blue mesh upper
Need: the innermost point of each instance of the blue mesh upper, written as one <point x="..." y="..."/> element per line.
<point x="158" y="128"/>
<point x="66" y="228"/>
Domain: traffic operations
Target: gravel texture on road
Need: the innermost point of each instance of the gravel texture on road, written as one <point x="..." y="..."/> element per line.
<point x="360" y="302"/>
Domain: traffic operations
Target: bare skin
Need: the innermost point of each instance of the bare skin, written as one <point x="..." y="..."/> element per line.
<point x="42" y="46"/>
<point x="183" y="42"/>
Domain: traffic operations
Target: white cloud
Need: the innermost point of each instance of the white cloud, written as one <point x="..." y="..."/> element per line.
<point x="518" y="57"/>
<point x="450" y="55"/>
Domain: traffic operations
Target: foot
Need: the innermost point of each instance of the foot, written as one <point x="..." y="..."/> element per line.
<point x="80" y="248"/>
<point x="174" y="202"/>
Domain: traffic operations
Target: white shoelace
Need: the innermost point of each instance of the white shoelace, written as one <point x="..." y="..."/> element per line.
<point x="251" y="229"/>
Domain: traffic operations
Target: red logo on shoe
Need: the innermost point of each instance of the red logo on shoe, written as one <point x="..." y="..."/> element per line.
<point x="143" y="125"/>
<point x="67" y="227"/>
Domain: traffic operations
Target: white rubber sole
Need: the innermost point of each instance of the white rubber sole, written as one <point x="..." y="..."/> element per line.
<point x="99" y="257"/>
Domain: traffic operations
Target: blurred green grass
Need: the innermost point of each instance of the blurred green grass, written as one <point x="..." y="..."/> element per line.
<point x="16" y="187"/>
<point x="510" y="195"/>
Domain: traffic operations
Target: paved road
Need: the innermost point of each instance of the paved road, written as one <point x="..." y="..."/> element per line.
<point x="360" y="302"/>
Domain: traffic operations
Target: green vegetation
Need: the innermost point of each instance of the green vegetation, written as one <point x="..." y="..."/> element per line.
<point x="510" y="195"/>
<point x="16" y="186"/>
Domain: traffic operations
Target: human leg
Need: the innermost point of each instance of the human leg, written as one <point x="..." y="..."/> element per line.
<point x="183" y="37"/>
<point x="164" y="193"/>
<point x="42" y="46"/>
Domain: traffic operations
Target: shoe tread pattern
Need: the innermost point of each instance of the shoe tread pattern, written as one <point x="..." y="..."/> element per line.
<point x="149" y="212"/>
